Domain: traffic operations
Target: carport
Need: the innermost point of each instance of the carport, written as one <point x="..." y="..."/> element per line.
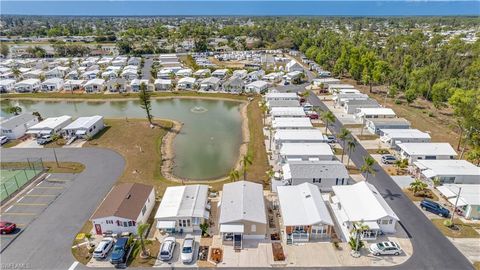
<point x="233" y="232"/>
<point x="166" y="226"/>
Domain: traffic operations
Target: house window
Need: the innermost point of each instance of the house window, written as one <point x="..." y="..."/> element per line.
<point x="125" y="224"/>
<point x="188" y="222"/>
<point x="109" y="221"/>
<point x="144" y="209"/>
<point x="184" y="223"/>
<point x="195" y="220"/>
<point x="390" y="221"/>
<point x="384" y="222"/>
<point x="130" y="223"/>
<point x="254" y="228"/>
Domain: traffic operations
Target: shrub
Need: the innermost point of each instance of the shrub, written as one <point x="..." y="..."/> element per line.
<point x="430" y="114"/>
<point x="353" y="245"/>
<point x="447" y="223"/>
<point x="398" y="102"/>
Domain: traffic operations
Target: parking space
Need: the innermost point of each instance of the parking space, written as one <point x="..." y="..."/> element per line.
<point x="28" y="143"/>
<point x="30" y="204"/>
<point x="176" y="261"/>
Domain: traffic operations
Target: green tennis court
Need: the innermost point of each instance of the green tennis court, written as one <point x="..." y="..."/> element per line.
<point x="12" y="180"/>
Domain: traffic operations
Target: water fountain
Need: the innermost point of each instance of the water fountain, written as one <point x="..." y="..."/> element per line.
<point x="198" y="109"/>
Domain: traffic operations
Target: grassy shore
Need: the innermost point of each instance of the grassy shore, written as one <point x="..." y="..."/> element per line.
<point x="103" y="96"/>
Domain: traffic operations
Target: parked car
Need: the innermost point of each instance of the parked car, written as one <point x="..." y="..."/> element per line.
<point x="435" y="208"/>
<point x="388" y="159"/>
<point x="385" y="248"/>
<point x="312" y="115"/>
<point x="331" y="139"/>
<point x="101" y="251"/>
<point x="188" y="249"/>
<point x="44" y="139"/>
<point x="3" y="140"/>
<point x="167" y="248"/>
<point x="119" y="253"/>
<point x="7" y="227"/>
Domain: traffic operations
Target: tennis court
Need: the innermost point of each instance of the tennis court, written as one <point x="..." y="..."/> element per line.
<point x="11" y="180"/>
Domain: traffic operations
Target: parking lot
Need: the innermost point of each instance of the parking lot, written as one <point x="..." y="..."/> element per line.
<point x="176" y="260"/>
<point x="30" y="204"/>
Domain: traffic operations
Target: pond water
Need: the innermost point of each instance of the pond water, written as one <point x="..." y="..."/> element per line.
<point x="207" y="147"/>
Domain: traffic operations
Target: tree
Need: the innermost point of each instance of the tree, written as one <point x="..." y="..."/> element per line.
<point x="343" y="135"/>
<point x="367" y="167"/>
<point x="264" y="108"/>
<point x="234" y="175"/>
<point x="467" y="111"/>
<point x="145" y="102"/>
<point x="417" y="185"/>
<point x="246" y="161"/>
<point x="357" y="231"/>
<point x="4" y="50"/>
<point x="204" y="227"/>
<point x="351" y="144"/>
<point x="368" y="63"/>
<point x="15" y="110"/>
<point x="38" y="115"/>
<point x="327" y="118"/>
<point x="410" y="95"/>
<point x="141" y="229"/>
<point x="381" y="72"/>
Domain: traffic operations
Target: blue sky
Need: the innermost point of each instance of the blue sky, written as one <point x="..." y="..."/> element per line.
<point x="246" y="8"/>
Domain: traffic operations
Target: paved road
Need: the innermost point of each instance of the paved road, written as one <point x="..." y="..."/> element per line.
<point x="431" y="249"/>
<point x="147" y="67"/>
<point x="46" y="242"/>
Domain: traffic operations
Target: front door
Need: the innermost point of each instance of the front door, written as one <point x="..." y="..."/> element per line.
<point x="98" y="228"/>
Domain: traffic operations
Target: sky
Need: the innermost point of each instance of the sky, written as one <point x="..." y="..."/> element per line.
<point x="240" y="8"/>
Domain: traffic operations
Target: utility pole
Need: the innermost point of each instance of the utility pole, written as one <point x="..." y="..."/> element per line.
<point x="456" y="202"/>
<point x="55" y="155"/>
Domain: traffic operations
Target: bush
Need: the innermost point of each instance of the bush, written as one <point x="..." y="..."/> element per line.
<point x="424" y="194"/>
<point x="430" y="114"/>
<point x="398" y="102"/>
<point x="447" y="223"/>
<point x="353" y="245"/>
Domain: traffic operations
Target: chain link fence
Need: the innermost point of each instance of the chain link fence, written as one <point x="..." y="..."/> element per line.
<point x="14" y="175"/>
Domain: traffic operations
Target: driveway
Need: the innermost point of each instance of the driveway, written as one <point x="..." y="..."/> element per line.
<point x="46" y="242"/>
<point x="432" y="250"/>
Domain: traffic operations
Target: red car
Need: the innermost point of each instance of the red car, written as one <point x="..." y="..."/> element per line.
<point x="313" y="116"/>
<point x="7" y="227"/>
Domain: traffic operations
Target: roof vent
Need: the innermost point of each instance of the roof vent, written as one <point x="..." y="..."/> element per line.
<point x="128" y="196"/>
<point x="308" y="196"/>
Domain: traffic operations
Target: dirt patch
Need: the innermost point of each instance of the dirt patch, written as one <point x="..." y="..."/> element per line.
<point x="277" y="250"/>
<point x="419" y="196"/>
<point x="458" y="230"/>
<point x="152" y="246"/>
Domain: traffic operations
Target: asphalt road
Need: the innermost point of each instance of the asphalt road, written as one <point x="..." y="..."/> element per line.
<point x="147" y="67"/>
<point x="46" y="242"/>
<point x="431" y="249"/>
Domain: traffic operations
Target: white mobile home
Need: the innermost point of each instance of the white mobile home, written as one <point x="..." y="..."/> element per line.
<point x="305" y="152"/>
<point x="126" y="206"/>
<point x="322" y="173"/>
<point x="468" y="202"/>
<point x="242" y="213"/>
<point x="416" y="151"/>
<point x="392" y="137"/>
<point x="298" y="136"/>
<point x="186" y="83"/>
<point x="351" y="106"/>
<point x="256" y="87"/>
<point x="210" y="84"/>
<point x="16" y="126"/>
<point x="447" y="171"/>
<point x="163" y="84"/>
<point x="84" y="127"/>
<point x="342" y="99"/>
<point x="294" y="112"/>
<point x="202" y="73"/>
<point x="283" y="103"/>
<point x="304" y="216"/>
<point x="72" y="85"/>
<point x="136" y="83"/>
<point x="117" y="85"/>
<point x="292" y="123"/>
<point x="186" y="72"/>
<point x="53" y="84"/>
<point x="234" y="85"/>
<point x="94" y="85"/>
<point x="29" y="85"/>
<point x="7" y="85"/>
<point x="50" y="126"/>
<point x="293" y="66"/>
<point x="363" y="203"/>
<point x="325" y="82"/>
<point x="281" y="96"/>
<point x="220" y="73"/>
<point x="183" y="209"/>
<point x="376" y="125"/>
<point x="370" y="113"/>
<point x="334" y="88"/>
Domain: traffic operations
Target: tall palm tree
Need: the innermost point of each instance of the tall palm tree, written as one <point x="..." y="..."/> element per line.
<point x="351" y="144"/>
<point x="343" y="135"/>
<point x="327" y="118"/>
<point x="246" y="161"/>
<point x="270" y="130"/>
<point x="234" y="175"/>
<point x="367" y="167"/>
<point x="358" y="229"/>
<point x="141" y="229"/>
<point x="264" y="108"/>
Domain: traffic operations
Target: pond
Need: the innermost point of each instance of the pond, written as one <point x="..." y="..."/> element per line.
<point x="207" y="146"/>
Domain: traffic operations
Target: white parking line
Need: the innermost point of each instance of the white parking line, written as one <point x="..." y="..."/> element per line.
<point x="29" y="191"/>
<point x="74" y="264"/>
<point x="38" y="183"/>
<point x="20" y="199"/>
<point x="10" y="207"/>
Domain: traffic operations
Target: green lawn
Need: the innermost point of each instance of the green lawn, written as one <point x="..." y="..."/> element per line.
<point x="462" y="230"/>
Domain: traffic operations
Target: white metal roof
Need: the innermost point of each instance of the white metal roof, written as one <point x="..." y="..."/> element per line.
<point x="292" y="122"/>
<point x="362" y="202"/>
<point x="84" y="122"/>
<point x="277" y="95"/>
<point x="428" y="149"/>
<point x="187" y="80"/>
<point x="95" y="82"/>
<point x="469" y="195"/>
<point x="51" y="123"/>
<point x="376" y="111"/>
<point x="340" y="86"/>
<point x="242" y="201"/>
<point x="314" y="169"/>
<point x="163" y="81"/>
<point x="183" y="201"/>
<point x="29" y="82"/>
<point x="300" y="135"/>
<point x="447" y="167"/>
<point x="258" y="84"/>
<point x="17" y="120"/>
<point x="302" y="205"/>
<point x="405" y="133"/>
<point x="287" y="111"/>
<point x="7" y="82"/>
<point x="307" y="149"/>
<point x="53" y="81"/>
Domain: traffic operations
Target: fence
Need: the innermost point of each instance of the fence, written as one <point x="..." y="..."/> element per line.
<point x="14" y="175"/>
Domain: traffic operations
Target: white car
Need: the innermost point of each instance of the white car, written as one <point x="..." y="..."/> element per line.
<point x="44" y="139"/>
<point x="3" y="140"/>
<point x="385" y="248"/>
<point x="188" y="249"/>
<point x="167" y="248"/>
<point x="101" y="251"/>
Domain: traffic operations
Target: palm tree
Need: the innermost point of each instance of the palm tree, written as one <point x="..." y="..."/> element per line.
<point x="16" y="72"/>
<point x="327" y="118"/>
<point x="343" y="135"/>
<point x="141" y="229"/>
<point x="351" y="144"/>
<point x="264" y="108"/>
<point x="270" y="130"/>
<point x="15" y="110"/>
<point x="417" y="185"/>
<point x="234" y="175"/>
<point x="246" y="161"/>
<point x="367" y="167"/>
<point x="358" y="229"/>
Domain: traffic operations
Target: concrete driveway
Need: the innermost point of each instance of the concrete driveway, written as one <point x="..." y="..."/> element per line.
<point x="46" y="242"/>
<point x="29" y="143"/>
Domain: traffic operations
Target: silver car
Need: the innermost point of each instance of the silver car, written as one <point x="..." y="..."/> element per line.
<point x="103" y="248"/>
<point x="188" y="249"/>
<point x="385" y="248"/>
<point x="167" y="248"/>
